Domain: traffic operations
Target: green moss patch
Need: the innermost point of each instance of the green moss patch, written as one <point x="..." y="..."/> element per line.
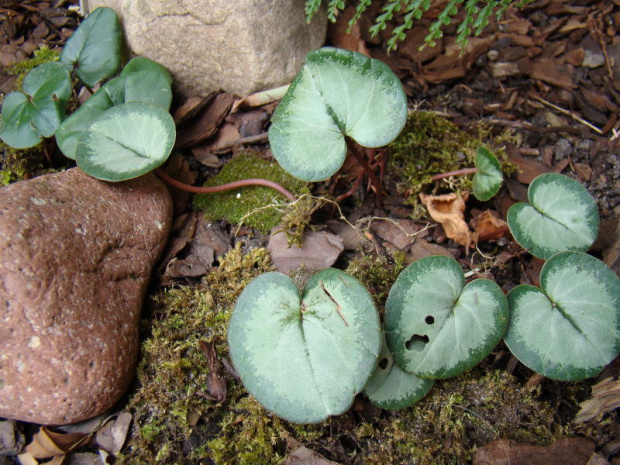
<point x="255" y="206"/>
<point x="430" y="145"/>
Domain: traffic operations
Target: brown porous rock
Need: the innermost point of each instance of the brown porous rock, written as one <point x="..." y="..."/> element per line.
<point x="76" y="256"/>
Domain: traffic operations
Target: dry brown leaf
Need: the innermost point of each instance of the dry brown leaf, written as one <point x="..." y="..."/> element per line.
<point x="305" y="456"/>
<point x="113" y="434"/>
<point x="488" y="226"/>
<point x="605" y="398"/>
<point x="47" y="443"/>
<point x="448" y="210"/>
<point x="216" y="385"/>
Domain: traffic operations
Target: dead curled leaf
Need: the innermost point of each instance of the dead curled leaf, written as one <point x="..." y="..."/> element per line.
<point x="488" y="226"/>
<point x="448" y="210"/>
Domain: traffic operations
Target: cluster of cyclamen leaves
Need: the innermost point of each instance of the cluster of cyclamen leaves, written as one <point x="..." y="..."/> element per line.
<point x="123" y="131"/>
<point x="306" y="357"/>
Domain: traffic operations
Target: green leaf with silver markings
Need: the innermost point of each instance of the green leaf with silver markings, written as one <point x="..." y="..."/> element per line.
<point x="561" y="216"/>
<point x="337" y="93"/>
<point x="305" y="357"/>
<point x="126" y="141"/>
<point x="391" y="388"/>
<point x="569" y="329"/>
<point x="146" y="82"/>
<point x="436" y="325"/>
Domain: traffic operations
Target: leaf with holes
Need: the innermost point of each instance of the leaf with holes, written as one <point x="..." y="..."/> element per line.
<point x="37" y="113"/>
<point x="488" y="179"/>
<point x="436" y="325"/>
<point x="94" y="49"/>
<point x="391" y="388"/>
<point x="570" y="328"/>
<point x="146" y="82"/>
<point x="337" y="93"/>
<point x="561" y="216"/>
<point x="126" y="141"/>
<point x="305" y="357"/>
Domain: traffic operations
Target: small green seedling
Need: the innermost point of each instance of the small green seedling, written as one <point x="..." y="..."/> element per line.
<point x="305" y="357"/>
<point x="436" y="325"/>
<point x="570" y="328"/>
<point x="93" y="50"/>
<point x="561" y="216"/>
<point x="489" y="178"/>
<point x="337" y="94"/>
<point x="391" y="388"/>
<point x="36" y="113"/>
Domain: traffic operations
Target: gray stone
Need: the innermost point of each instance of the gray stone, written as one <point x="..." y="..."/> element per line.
<point x="208" y="45"/>
<point x="76" y="255"/>
<point x="11" y="439"/>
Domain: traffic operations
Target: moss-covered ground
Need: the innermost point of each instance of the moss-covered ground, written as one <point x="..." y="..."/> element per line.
<point x="255" y="206"/>
<point x="175" y="422"/>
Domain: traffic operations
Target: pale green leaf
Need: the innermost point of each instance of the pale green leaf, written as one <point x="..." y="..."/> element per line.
<point x="391" y="388"/>
<point x="305" y="357"/>
<point x="126" y="141"/>
<point x="561" y="216"/>
<point x="337" y="93"/>
<point x="436" y="325"/>
<point x="569" y="329"/>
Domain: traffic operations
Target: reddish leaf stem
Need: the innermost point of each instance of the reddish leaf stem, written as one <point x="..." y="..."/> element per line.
<point x="462" y="172"/>
<point x="367" y="169"/>
<point x="224" y="187"/>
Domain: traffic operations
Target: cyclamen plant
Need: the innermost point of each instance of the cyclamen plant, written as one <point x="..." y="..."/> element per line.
<point x="303" y="360"/>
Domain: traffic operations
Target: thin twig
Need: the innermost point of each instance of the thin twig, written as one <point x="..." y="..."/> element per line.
<point x="462" y="172"/>
<point x="569" y="113"/>
<point x="224" y="187"/>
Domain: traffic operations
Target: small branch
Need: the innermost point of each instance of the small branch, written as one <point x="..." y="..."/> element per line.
<point x="462" y="172"/>
<point x="367" y="169"/>
<point x="224" y="187"/>
<point x="571" y="114"/>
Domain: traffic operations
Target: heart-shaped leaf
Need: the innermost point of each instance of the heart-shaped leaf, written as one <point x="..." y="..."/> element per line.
<point x="438" y="327"/>
<point x="26" y="119"/>
<point x="305" y="358"/>
<point x="391" y="388"/>
<point x="570" y="329"/>
<point x="94" y="49"/>
<point x="561" y="216"/>
<point x="488" y="179"/>
<point x="147" y="84"/>
<point x="126" y="141"/>
<point x="17" y="129"/>
<point x="337" y="93"/>
<point x="144" y="64"/>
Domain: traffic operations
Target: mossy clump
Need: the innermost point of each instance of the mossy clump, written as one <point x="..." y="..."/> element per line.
<point x="430" y="145"/>
<point x="459" y="415"/>
<point x="377" y="274"/>
<point x="21" y="69"/>
<point x="174" y="422"/>
<point x="19" y="164"/>
<point x="255" y="206"/>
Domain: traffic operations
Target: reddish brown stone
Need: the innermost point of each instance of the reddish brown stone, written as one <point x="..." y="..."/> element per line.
<point x="76" y="256"/>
